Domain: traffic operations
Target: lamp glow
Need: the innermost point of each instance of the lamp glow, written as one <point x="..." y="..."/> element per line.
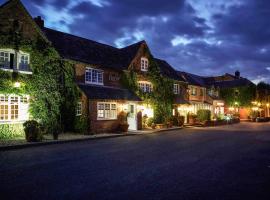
<point x="17" y="84"/>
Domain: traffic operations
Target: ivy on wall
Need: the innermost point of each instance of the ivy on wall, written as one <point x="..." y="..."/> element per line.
<point x="241" y="96"/>
<point x="161" y="98"/>
<point x="51" y="87"/>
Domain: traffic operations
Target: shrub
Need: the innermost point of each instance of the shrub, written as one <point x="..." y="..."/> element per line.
<point x="150" y="121"/>
<point x="123" y="124"/>
<point x="181" y="120"/>
<point x="81" y="124"/>
<point x="203" y="115"/>
<point x="11" y="131"/>
<point x="144" y="121"/>
<point x="32" y="131"/>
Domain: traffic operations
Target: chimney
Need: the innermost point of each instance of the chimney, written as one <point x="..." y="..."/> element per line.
<point x="237" y="74"/>
<point x="39" y="21"/>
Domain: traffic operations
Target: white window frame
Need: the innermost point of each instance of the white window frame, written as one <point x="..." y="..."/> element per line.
<point x="146" y="86"/>
<point x="14" y="102"/>
<point x="79" y="109"/>
<point x="106" y="111"/>
<point x="89" y="74"/>
<point x="144" y="64"/>
<point x="193" y="91"/>
<point x="176" y="88"/>
<point x="17" y="61"/>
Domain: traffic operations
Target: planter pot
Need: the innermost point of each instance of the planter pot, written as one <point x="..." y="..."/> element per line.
<point x="160" y="126"/>
<point x="153" y="126"/>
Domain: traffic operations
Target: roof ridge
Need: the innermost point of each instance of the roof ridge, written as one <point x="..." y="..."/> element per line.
<point x="80" y="37"/>
<point x="134" y="44"/>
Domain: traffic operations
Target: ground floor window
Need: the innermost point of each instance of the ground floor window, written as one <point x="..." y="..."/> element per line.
<point x="79" y="109"/>
<point x="13" y="108"/>
<point x="106" y="111"/>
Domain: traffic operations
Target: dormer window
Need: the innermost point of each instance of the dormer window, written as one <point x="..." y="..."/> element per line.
<point x="144" y="64"/>
<point x="146" y="86"/>
<point x="12" y="60"/>
<point x="93" y="76"/>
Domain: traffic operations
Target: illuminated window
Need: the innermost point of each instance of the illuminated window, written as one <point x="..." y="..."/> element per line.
<point x="106" y="111"/>
<point x="79" y="109"/>
<point x="176" y="89"/>
<point x="145" y="86"/>
<point x="144" y="64"/>
<point x="94" y="76"/>
<point x="13" y="108"/>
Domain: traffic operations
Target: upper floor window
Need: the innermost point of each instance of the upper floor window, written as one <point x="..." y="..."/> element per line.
<point x="114" y="77"/>
<point x="201" y="92"/>
<point x="146" y="86"/>
<point x="193" y="91"/>
<point x="14" y="60"/>
<point x="144" y="64"/>
<point x="176" y="89"/>
<point x="94" y="76"/>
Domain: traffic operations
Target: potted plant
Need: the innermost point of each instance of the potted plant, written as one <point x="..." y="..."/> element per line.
<point x="192" y="118"/>
<point x="32" y="131"/>
<point x="150" y="123"/>
<point x="123" y="125"/>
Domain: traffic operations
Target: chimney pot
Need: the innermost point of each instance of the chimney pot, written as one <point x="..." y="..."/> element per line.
<point x="237" y="74"/>
<point x="39" y="21"/>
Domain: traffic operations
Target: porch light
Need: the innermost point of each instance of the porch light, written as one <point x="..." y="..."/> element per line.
<point x="259" y="104"/>
<point x="255" y="108"/>
<point x="267" y="104"/>
<point x="236" y="103"/>
<point x="17" y="84"/>
<point x="231" y="108"/>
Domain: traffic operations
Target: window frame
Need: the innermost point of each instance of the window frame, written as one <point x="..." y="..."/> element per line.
<point x="145" y="86"/>
<point x="108" y="111"/>
<point x="79" y="108"/>
<point x="176" y="88"/>
<point x="90" y="72"/>
<point x="17" y="61"/>
<point x="14" y="107"/>
<point x="144" y="64"/>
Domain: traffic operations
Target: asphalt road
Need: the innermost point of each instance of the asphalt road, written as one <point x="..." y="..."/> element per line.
<point x="229" y="162"/>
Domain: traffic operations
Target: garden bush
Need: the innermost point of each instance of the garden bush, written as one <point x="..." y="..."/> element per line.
<point x="150" y="121"/>
<point x="32" y="131"/>
<point x="81" y="124"/>
<point x="11" y="131"/>
<point x="203" y="115"/>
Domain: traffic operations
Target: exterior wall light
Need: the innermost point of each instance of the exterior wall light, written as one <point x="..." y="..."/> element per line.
<point x="17" y="84"/>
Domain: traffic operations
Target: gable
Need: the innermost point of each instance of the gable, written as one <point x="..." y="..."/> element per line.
<point x="14" y="17"/>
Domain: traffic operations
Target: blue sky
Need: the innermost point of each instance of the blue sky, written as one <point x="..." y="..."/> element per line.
<point x="203" y="37"/>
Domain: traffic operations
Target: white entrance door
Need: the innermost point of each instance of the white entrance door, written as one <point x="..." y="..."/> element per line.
<point x="132" y="117"/>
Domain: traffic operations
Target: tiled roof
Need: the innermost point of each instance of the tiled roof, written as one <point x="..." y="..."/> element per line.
<point x="167" y="70"/>
<point x="84" y="50"/>
<point x="108" y="93"/>
<point x="201" y="81"/>
<point x="234" y="83"/>
<point x="193" y="79"/>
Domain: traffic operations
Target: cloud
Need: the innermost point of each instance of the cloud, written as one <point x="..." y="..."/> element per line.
<point x="202" y="37"/>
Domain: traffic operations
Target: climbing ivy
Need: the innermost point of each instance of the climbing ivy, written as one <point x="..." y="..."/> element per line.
<point x="243" y="96"/>
<point x="51" y="86"/>
<point x="161" y="99"/>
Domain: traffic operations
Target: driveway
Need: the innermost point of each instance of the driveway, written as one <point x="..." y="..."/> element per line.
<point x="228" y="162"/>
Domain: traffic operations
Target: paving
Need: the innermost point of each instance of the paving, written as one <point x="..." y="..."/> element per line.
<point x="227" y="162"/>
